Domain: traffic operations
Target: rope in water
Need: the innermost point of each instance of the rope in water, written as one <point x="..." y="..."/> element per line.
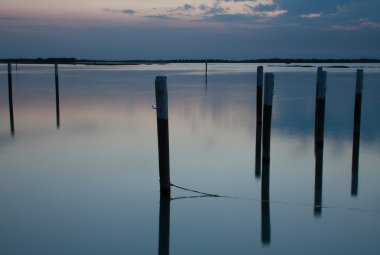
<point x="208" y="195"/>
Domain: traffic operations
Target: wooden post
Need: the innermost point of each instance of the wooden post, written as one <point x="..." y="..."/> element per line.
<point x="206" y="73"/>
<point x="319" y="75"/>
<point x="259" y="118"/>
<point x="267" y="119"/>
<point x="10" y="99"/>
<point x="320" y="116"/>
<point x="319" y="140"/>
<point x="57" y="95"/>
<point x="163" y="133"/>
<point x="164" y="226"/>
<point x="356" y="135"/>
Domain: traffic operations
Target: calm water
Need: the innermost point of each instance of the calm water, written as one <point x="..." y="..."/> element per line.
<point x="91" y="186"/>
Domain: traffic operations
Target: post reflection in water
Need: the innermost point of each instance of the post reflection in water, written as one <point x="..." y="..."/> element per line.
<point x="355" y="165"/>
<point x="164" y="225"/>
<point x="318" y="180"/>
<point x="265" y="209"/>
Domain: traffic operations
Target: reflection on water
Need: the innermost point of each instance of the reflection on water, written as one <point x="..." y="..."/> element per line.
<point x="92" y="187"/>
<point x="164" y="225"/>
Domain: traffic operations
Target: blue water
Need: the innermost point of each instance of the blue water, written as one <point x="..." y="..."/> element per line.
<point x="91" y="185"/>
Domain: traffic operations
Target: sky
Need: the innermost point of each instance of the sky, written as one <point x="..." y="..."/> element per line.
<point x="189" y="29"/>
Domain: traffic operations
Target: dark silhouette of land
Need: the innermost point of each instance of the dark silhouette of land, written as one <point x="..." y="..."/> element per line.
<point x="75" y="61"/>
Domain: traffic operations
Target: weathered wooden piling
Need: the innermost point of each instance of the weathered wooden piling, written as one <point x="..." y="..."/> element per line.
<point x="163" y="133"/>
<point x="356" y="133"/>
<point x="164" y="226"/>
<point x="267" y="119"/>
<point x="259" y="118"/>
<point x="57" y="95"/>
<point x="10" y="99"/>
<point x="319" y="141"/>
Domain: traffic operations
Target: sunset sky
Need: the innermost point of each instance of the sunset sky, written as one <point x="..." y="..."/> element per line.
<point x="155" y="29"/>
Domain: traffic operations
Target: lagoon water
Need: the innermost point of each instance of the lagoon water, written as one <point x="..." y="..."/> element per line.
<point x="91" y="185"/>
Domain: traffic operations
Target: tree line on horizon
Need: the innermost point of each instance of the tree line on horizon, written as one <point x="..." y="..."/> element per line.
<point x="164" y="61"/>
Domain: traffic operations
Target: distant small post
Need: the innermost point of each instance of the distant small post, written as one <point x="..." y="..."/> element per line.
<point x="206" y="72"/>
<point x="267" y="119"/>
<point x="10" y="99"/>
<point x="57" y="94"/>
<point x="356" y="135"/>
<point x="163" y="133"/>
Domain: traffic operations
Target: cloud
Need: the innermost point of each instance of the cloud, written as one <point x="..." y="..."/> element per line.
<point x="311" y="15"/>
<point x="369" y="24"/>
<point x="126" y="11"/>
<point x="161" y="17"/>
<point x="343" y="28"/>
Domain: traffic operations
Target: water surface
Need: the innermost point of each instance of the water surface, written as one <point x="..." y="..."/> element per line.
<point x="91" y="185"/>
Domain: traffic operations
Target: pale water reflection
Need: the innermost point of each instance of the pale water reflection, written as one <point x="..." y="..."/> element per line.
<point x="91" y="187"/>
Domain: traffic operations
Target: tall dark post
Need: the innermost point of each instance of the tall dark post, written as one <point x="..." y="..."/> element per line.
<point x="259" y="118"/>
<point x="319" y="141"/>
<point x="163" y="133"/>
<point x="57" y="95"/>
<point x="267" y="119"/>
<point x="356" y="135"/>
<point x="10" y="99"/>
<point x="164" y="226"/>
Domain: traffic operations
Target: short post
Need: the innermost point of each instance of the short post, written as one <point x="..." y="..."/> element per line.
<point x="267" y="119"/>
<point x="259" y="118"/>
<point x="57" y="95"/>
<point x="320" y="111"/>
<point x="356" y="135"/>
<point x="206" y="72"/>
<point x="163" y="133"/>
<point x="10" y="99"/>
<point x="319" y="75"/>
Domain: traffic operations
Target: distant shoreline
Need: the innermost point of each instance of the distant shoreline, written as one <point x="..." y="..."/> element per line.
<point x="74" y="61"/>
